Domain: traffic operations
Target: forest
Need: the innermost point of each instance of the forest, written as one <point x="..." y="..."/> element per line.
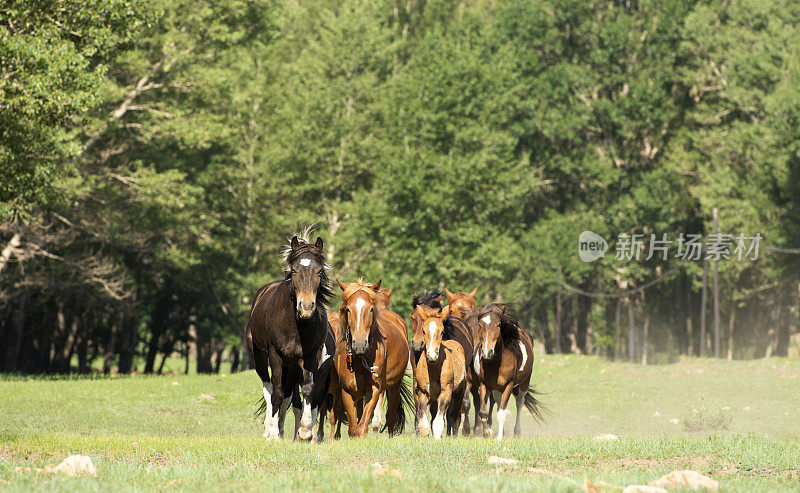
<point x="156" y="155"/>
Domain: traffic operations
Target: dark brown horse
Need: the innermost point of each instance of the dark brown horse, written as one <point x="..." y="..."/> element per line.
<point x="287" y="334"/>
<point x="371" y="358"/>
<point x="504" y="364"/>
<point x="455" y="329"/>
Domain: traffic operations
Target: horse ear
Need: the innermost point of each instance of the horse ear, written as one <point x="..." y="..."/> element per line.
<point x="318" y="244"/>
<point x="294" y="243"/>
<point x="377" y="285"/>
<point x="341" y="285"/>
<point x="439" y="298"/>
<point x="502" y="307"/>
<point x="419" y="311"/>
<point x="446" y="312"/>
<point x="389" y="291"/>
<point x="448" y="293"/>
<point x="474" y="292"/>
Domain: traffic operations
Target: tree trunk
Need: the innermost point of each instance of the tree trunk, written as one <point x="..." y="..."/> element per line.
<point x="127" y="350"/>
<point x="559" y="317"/>
<point x="112" y="342"/>
<point x="645" y="330"/>
<point x="631" y="331"/>
<point x="584" y="310"/>
<point x="617" y="328"/>
<point x="730" y="332"/>
<point x="9" y="249"/>
<point x="235" y="358"/>
<point x="703" y="302"/>
<point x="783" y="335"/>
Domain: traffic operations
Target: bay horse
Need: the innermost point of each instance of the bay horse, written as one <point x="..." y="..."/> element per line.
<point x="440" y="377"/>
<point x="455" y="329"/>
<point x="504" y="364"/>
<point x="461" y="303"/>
<point x="286" y="335"/>
<point x="371" y="357"/>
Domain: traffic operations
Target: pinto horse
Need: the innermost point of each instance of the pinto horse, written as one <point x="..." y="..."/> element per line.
<point x="504" y="364"/>
<point x="286" y="335"/>
<point x="455" y="329"/>
<point x="371" y="357"/>
<point x="440" y="378"/>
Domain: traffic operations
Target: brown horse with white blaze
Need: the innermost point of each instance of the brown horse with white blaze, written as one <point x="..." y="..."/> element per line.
<point x="504" y="363"/>
<point x="371" y="358"/>
<point x="439" y="376"/>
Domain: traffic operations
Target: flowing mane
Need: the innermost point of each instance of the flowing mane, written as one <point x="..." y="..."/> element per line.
<point x="509" y="326"/>
<point x="431" y="299"/>
<point x="306" y="247"/>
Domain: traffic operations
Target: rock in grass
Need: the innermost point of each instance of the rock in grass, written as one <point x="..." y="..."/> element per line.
<point x="496" y="459"/>
<point x="686" y="479"/>
<point x="606" y="437"/>
<point x="643" y="488"/>
<point x="75" y="465"/>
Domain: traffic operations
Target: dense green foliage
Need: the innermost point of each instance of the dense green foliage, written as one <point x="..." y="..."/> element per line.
<point x="154" y="156"/>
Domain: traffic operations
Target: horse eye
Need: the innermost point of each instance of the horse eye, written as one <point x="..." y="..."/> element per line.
<point x="320" y="272"/>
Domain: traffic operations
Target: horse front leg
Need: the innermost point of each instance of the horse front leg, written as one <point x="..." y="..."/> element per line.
<point x="483" y="413"/>
<point x="272" y="430"/>
<point x="424" y="427"/>
<point x="306" y="431"/>
<point x="369" y="408"/>
<point x="443" y="402"/>
<point x="501" y="410"/>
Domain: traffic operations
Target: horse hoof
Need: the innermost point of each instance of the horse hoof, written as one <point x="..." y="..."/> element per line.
<point x="304" y="434"/>
<point x="488" y="433"/>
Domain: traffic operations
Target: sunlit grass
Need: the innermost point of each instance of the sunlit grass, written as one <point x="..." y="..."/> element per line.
<point x="147" y="432"/>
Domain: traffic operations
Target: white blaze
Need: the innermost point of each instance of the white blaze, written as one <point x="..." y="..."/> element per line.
<point x="432" y="330"/>
<point x="305" y="262"/>
<point x="524" y="355"/>
<point x="487" y="319"/>
<point x="360" y="304"/>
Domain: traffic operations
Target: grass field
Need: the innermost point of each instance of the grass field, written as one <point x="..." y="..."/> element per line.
<point x="190" y="432"/>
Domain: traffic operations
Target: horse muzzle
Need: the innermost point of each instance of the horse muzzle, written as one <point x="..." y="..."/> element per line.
<point x="432" y="354"/>
<point x="306" y="307"/>
<point x="417" y="345"/>
<point x="360" y="346"/>
<point x="487" y="354"/>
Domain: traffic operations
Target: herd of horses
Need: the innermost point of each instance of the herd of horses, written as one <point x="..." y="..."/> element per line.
<point x="345" y="363"/>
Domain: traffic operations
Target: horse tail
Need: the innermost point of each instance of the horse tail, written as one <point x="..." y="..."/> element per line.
<point x="262" y="407"/>
<point x="534" y="405"/>
<point x="406" y="402"/>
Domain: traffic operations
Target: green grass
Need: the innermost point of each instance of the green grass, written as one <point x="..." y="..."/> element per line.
<point x="146" y="433"/>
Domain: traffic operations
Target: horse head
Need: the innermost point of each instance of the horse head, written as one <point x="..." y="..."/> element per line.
<point x="307" y="272"/>
<point x="357" y="313"/>
<point x="431" y="328"/>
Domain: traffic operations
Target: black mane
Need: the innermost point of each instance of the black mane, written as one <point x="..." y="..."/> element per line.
<point x="509" y="326"/>
<point x="431" y="299"/>
<point x="324" y="292"/>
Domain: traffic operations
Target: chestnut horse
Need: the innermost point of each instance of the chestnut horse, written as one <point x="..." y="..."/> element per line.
<point x="286" y="336"/>
<point x="383" y="301"/>
<point x="504" y="364"/>
<point x="440" y="380"/>
<point x="456" y="330"/>
<point x="371" y="357"/>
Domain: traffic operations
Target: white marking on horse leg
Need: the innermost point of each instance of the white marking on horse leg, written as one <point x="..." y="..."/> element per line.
<point x="501" y="420"/>
<point x="424" y="425"/>
<point x="377" y="416"/>
<point x="296" y="411"/>
<point x="306" y="422"/>
<point x="268" y="401"/>
<point x="438" y="424"/>
<point x="524" y="355"/>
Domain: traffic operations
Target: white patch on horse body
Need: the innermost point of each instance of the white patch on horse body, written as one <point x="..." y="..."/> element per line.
<point x="324" y="356"/>
<point x="305" y="262"/>
<point x="487" y="319"/>
<point x="501" y="420"/>
<point x="438" y="425"/>
<point x="476" y="361"/>
<point x="524" y="355"/>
